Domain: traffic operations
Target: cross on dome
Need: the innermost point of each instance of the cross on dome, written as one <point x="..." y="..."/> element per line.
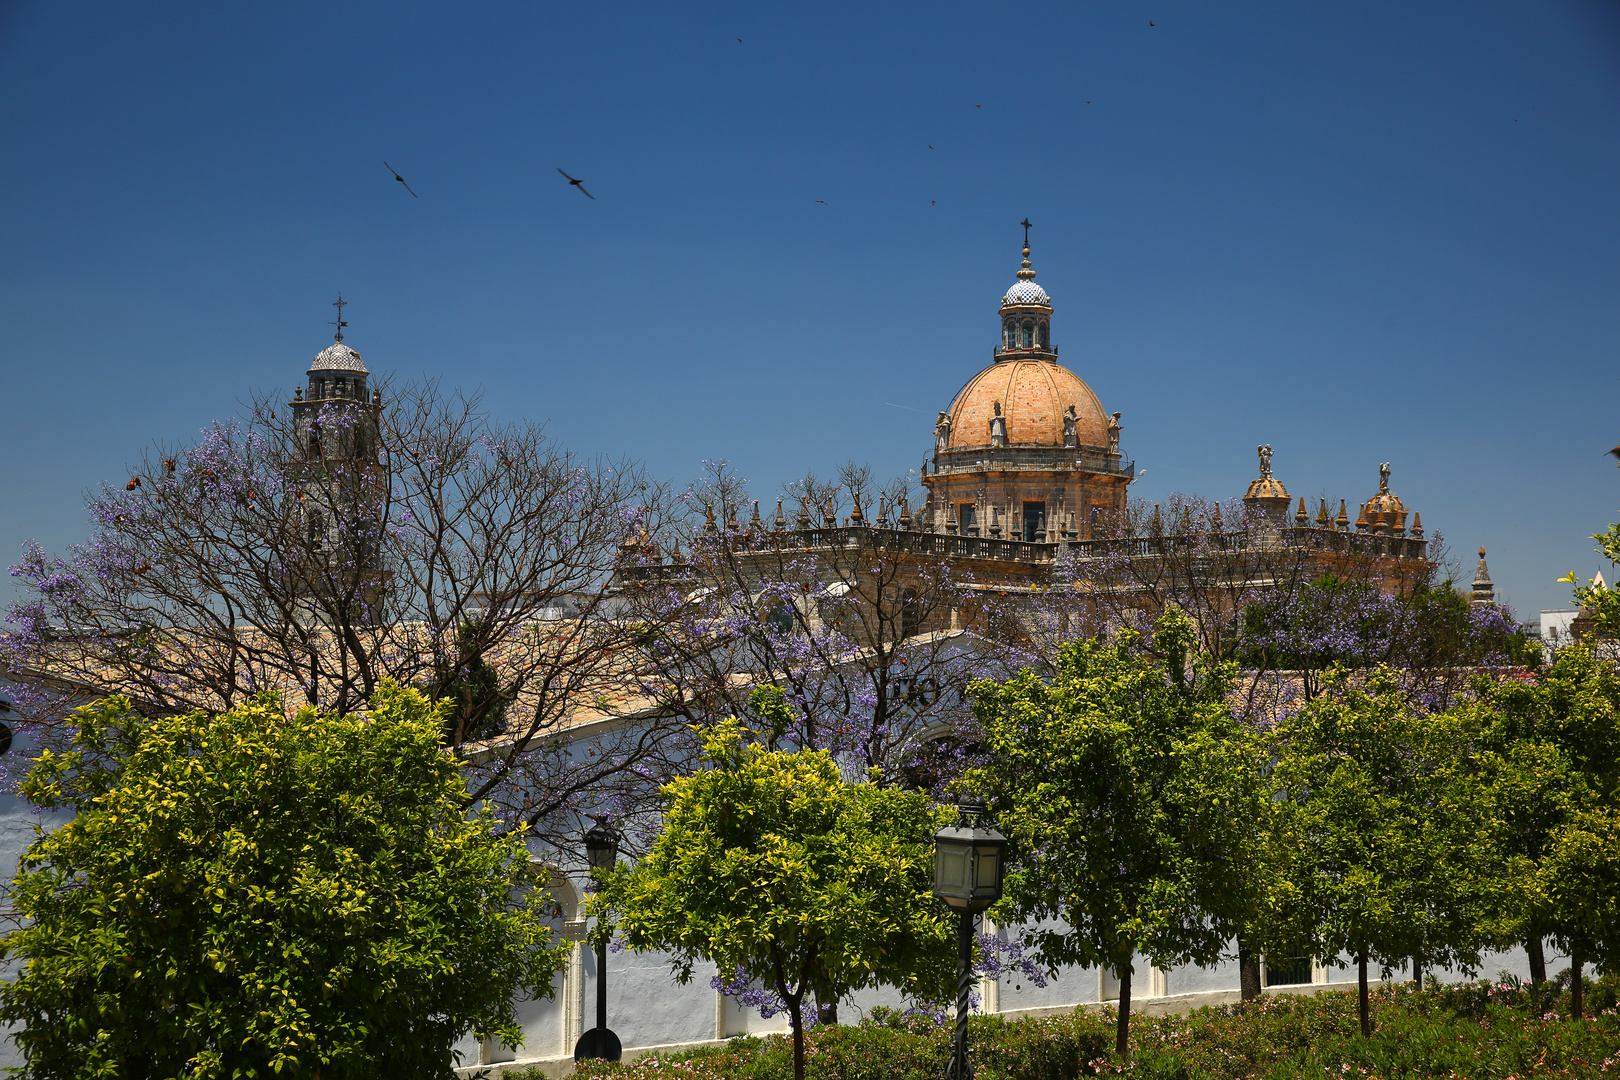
<point x="1026" y="292"/>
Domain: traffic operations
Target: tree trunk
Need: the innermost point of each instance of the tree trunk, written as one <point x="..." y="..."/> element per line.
<point x="1361" y="997"/>
<point x="1122" y="1029"/>
<point x="1538" y="959"/>
<point x="796" y="1018"/>
<point x="1248" y="970"/>
<point x="1417" y="971"/>
<point x="1574" y="984"/>
<point x="825" y="1011"/>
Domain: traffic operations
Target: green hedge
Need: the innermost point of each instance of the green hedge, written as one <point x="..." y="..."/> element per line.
<point x="1480" y="1031"/>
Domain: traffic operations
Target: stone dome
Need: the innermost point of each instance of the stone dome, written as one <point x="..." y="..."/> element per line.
<point x="1386" y="502"/>
<point x="338" y="357"/>
<point x="1033" y="394"/>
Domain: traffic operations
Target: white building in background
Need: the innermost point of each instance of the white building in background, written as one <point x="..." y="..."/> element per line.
<point x="1556" y="627"/>
<point x="647" y="1009"/>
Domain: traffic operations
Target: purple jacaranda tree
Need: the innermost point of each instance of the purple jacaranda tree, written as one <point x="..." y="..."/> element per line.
<point x="837" y="604"/>
<point x="836" y="598"/>
<point x="412" y="538"/>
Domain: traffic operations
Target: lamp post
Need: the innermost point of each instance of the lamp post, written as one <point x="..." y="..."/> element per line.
<point x="602" y="852"/>
<point x="969" y="857"/>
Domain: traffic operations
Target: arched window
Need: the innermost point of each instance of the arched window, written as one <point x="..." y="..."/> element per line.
<point x="1027" y="337"/>
<point x="1010" y="335"/>
<point x="314" y="444"/>
<point x="1041" y="335"/>
<point x="781" y="618"/>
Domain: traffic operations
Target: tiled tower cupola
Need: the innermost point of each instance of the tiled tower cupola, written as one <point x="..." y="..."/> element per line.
<point x="334" y="419"/>
<point x="1026" y="451"/>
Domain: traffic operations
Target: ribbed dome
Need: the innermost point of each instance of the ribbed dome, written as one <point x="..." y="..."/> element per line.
<point x="1026" y="292"/>
<point x="1267" y="487"/>
<point x="338" y="357"/>
<point x="1033" y="395"/>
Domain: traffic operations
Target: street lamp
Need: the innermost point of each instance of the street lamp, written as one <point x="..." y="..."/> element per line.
<point x="602" y="852"/>
<point x="969" y="857"/>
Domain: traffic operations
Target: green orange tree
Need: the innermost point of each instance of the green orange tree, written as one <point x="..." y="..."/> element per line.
<point x="247" y="894"/>
<point x="1134" y="800"/>
<point x="774" y="865"/>
<point x="1401" y="849"/>
<point x="1558" y="734"/>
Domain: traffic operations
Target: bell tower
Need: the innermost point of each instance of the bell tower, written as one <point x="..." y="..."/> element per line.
<point x="335" y="432"/>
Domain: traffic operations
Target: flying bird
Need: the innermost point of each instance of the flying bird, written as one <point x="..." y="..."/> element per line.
<point x="823" y="202"/>
<point x="401" y="179"/>
<point x="579" y="184"/>
<point x="1152" y="23"/>
<point x="933" y="202"/>
<point x="739" y="41"/>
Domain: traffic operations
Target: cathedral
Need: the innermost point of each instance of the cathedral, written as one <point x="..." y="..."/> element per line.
<point x="1027" y="452"/>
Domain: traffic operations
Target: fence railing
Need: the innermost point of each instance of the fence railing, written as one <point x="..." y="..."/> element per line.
<point x="949" y="545"/>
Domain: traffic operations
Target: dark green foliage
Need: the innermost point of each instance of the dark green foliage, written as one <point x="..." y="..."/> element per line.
<point x="1480" y="1031"/>
<point x="1133" y="798"/>
<point x="251" y="895"/>
<point x="478" y="704"/>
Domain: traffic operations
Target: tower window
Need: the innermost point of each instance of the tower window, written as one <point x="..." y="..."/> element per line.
<point x="1026" y="337"/>
<point x="1010" y="335"/>
<point x="966" y="517"/>
<point x="1041" y="334"/>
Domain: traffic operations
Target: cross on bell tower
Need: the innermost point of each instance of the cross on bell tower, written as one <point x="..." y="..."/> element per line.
<point x="339" y="302"/>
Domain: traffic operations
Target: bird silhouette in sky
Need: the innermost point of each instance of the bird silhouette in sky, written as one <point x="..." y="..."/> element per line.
<point x="401" y="179"/>
<point x="823" y="202"/>
<point x="933" y="202"/>
<point x="1152" y="23"/>
<point x="739" y="41"/>
<point x="578" y="183"/>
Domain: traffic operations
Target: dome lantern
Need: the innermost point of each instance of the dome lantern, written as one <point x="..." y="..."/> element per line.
<point x="1026" y="315"/>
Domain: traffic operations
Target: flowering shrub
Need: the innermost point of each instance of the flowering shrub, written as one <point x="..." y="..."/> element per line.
<point x="1477" y="1031"/>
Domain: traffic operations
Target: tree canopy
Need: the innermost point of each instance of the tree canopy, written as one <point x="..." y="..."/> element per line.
<point x="248" y="894"/>
<point x="773" y="865"/>
<point x="1133" y="799"/>
<point x="1395" y="808"/>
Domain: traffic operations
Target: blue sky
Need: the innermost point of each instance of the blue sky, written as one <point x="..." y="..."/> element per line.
<point x="1359" y="232"/>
